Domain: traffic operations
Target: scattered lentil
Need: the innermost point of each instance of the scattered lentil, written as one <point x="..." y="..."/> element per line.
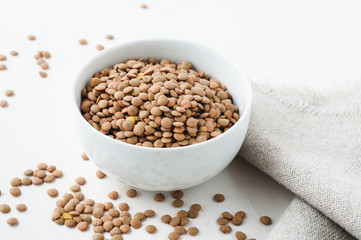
<point x="12" y="221"/>
<point x="178" y="203"/>
<point x="9" y="93"/>
<point x="237" y="220"/>
<point x="266" y="220"/>
<point x="28" y="172"/>
<point x="75" y="188"/>
<point x="52" y="192"/>
<point x="240" y="213"/>
<point x="113" y="195"/>
<point x="100" y="174"/>
<point x="26" y="181"/>
<point x="31" y="37"/>
<point x="14" y="53"/>
<point x="4" y="208"/>
<point x="166" y="218"/>
<point x="177" y="194"/>
<point x="110" y="37"/>
<point x="3" y="103"/>
<point x="218" y="197"/>
<point x="149" y="213"/>
<point x="80" y="180"/>
<point x="225" y="229"/>
<point x="15" y="191"/>
<point x="192" y="231"/>
<point x="131" y="193"/>
<point x="83" y="42"/>
<point x="150" y="228"/>
<point x="144" y="6"/>
<point x="100" y="47"/>
<point x="173" y="236"/>
<point x="3" y="67"/>
<point x="21" y="207"/>
<point x="123" y="207"/>
<point x="240" y="235"/>
<point x="83" y="226"/>
<point x="43" y="74"/>
<point x="159" y="197"/>
<point x="15" y="182"/>
<point x="3" y="57"/>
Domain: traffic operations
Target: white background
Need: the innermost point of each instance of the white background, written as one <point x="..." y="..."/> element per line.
<point x="313" y="43"/>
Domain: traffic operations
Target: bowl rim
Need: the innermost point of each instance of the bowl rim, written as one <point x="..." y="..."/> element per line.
<point x="105" y="52"/>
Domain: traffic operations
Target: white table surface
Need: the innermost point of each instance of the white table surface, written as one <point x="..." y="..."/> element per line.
<point x="313" y="43"/>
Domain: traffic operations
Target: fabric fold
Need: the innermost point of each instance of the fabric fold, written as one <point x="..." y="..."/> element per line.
<point x="311" y="144"/>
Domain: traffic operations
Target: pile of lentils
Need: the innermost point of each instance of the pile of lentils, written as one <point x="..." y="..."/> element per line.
<point x="153" y="104"/>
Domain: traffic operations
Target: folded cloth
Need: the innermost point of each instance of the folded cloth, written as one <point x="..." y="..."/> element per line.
<point x="311" y="144"/>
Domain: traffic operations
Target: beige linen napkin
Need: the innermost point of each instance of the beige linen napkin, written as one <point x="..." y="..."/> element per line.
<point x="311" y="144"/>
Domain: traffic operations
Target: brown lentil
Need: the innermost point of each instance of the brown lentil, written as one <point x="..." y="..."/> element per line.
<point x="51" y="168"/>
<point x="177" y="194"/>
<point x="196" y="207"/>
<point x="15" y="182"/>
<point x="110" y="37"/>
<point x="83" y="226"/>
<point x="182" y="213"/>
<point x="14" y="53"/>
<point x="123" y="207"/>
<point x="166" y="218"/>
<point x="178" y="203"/>
<point x="225" y="229"/>
<point x="75" y="188"/>
<point x="113" y="195"/>
<point x="12" y="221"/>
<point x="192" y="213"/>
<point x="237" y="220"/>
<point x="43" y="74"/>
<point x="218" y="197"/>
<point x="3" y="57"/>
<point x="135" y="223"/>
<point x="4" y="208"/>
<point x="175" y="221"/>
<point x="28" y="172"/>
<point x="98" y="236"/>
<point x="184" y="221"/>
<point x="180" y="230"/>
<point x="84" y="156"/>
<point x="9" y="93"/>
<point x="192" y="231"/>
<point x="21" y="207"/>
<point x="149" y="213"/>
<point x="26" y="181"/>
<point x="100" y="174"/>
<point x="222" y="221"/>
<point x="80" y="180"/>
<point x="241" y="214"/>
<point x="173" y="236"/>
<point x="150" y="228"/>
<point x="240" y="235"/>
<point x="57" y="173"/>
<point x="3" y="103"/>
<point x="265" y="220"/>
<point x="100" y="47"/>
<point x="15" y="191"/>
<point x="131" y="193"/>
<point x="31" y="37"/>
<point x="124" y="228"/>
<point x="159" y="197"/>
<point x="227" y="215"/>
<point x="83" y="42"/>
<point x="37" y="181"/>
<point x="3" y="67"/>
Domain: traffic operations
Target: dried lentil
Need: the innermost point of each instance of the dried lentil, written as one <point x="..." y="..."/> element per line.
<point x="9" y="93"/>
<point x="150" y="228"/>
<point x="100" y="47"/>
<point x="84" y="156"/>
<point x="159" y="197"/>
<point x="218" y="197"/>
<point x="83" y="42"/>
<point x="100" y="174"/>
<point x="177" y="194"/>
<point x="43" y="74"/>
<point x="31" y="37"/>
<point x="80" y="180"/>
<point x="178" y="203"/>
<point x="192" y="231"/>
<point x="21" y="207"/>
<point x="12" y="221"/>
<point x="131" y="193"/>
<point x="265" y="220"/>
<point x="3" y="67"/>
<point x="15" y="191"/>
<point x="225" y="229"/>
<point x="4" y="208"/>
<point x="240" y="235"/>
<point x="113" y="195"/>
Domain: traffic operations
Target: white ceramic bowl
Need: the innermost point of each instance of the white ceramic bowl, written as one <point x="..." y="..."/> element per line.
<point x="165" y="169"/>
